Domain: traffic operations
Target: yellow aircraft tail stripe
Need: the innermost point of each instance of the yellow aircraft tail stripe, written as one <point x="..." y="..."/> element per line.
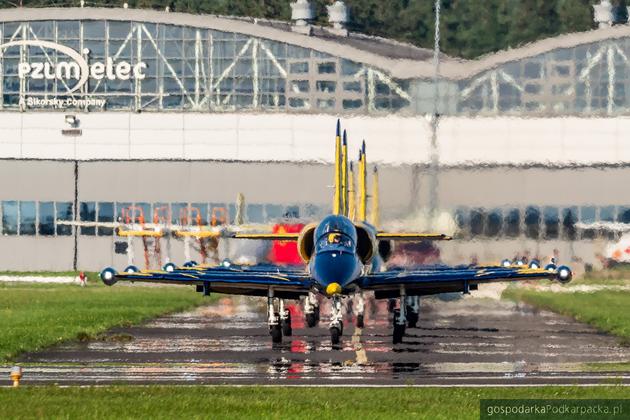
<point x="352" y="202"/>
<point x="337" y="198"/>
<point x="268" y="236"/>
<point x="344" y="174"/>
<point x="362" y="184"/>
<point x="375" y="213"/>
<point x="405" y="236"/>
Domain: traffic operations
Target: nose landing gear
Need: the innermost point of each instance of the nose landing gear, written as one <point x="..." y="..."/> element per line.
<point x="400" y="318"/>
<point x="285" y="320"/>
<point x="336" y="322"/>
<point x="360" y="308"/>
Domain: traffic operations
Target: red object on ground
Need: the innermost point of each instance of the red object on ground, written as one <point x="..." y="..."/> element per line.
<point x="285" y="252"/>
<point x="82" y="276"/>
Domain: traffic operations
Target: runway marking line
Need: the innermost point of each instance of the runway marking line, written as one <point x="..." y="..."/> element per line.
<point x="358" y="347"/>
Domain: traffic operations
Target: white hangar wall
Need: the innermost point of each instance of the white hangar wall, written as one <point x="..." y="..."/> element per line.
<point x="304" y="137"/>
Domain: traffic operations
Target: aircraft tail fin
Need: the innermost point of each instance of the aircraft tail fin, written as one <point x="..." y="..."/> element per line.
<point x="352" y="198"/>
<point x="337" y="206"/>
<point x="362" y="183"/>
<point x="375" y="213"/>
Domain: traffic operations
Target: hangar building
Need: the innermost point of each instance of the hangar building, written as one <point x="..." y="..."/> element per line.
<point x="104" y="108"/>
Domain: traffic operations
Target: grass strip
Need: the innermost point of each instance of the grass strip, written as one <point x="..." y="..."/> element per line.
<point x="158" y="402"/>
<point x="34" y="316"/>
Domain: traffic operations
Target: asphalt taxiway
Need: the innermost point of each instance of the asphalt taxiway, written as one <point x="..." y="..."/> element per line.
<point x="472" y="341"/>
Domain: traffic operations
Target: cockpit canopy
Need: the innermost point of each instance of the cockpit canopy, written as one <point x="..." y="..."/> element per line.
<point x="336" y="230"/>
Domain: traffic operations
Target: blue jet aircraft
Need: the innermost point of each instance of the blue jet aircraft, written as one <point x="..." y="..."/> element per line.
<point x="343" y="257"/>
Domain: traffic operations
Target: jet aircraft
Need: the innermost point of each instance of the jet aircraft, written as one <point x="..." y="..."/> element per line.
<point x="342" y="257"/>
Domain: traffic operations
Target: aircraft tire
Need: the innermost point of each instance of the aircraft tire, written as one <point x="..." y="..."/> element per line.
<point x="412" y="318"/>
<point x="131" y="269"/>
<point x="286" y="327"/>
<point x="335" y="335"/>
<point x="276" y="333"/>
<point x="311" y="320"/>
<point x="399" y="332"/>
<point x="360" y="321"/>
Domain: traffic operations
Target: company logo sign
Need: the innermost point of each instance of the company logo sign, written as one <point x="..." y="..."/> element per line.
<point x="77" y="70"/>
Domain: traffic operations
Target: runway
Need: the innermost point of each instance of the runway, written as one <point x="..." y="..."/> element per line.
<point x="472" y="341"/>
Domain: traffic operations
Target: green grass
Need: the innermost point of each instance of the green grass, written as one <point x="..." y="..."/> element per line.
<point x="609" y="311"/>
<point x="34" y="316"/>
<point x="118" y="402"/>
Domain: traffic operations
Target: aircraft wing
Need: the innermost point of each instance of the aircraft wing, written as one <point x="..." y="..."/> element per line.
<point x="455" y="279"/>
<point x="403" y="236"/>
<point x="268" y="236"/>
<point x="235" y="280"/>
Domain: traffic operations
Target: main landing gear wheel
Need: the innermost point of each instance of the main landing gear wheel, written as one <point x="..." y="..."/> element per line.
<point x="286" y="326"/>
<point x="108" y="276"/>
<point x="360" y="321"/>
<point x="399" y="332"/>
<point x="311" y="320"/>
<point x="412" y="318"/>
<point x="131" y="269"/>
<point x="335" y="335"/>
<point x="276" y="333"/>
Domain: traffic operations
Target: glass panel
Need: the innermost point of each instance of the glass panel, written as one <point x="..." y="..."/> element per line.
<point x="87" y="213"/>
<point x="179" y="213"/>
<point x="607" y="214"/>
<point x="255" y="213"/>
<point x="106" y="215"/>
<point x="274" y="212"/>
<point x="551" y="221"/>
<point x="494" y="223"/>
<point x="292" y="212"/>
<point x="144" y="210"/>
<point x="587" y="215"/>
<point x="477" y="217"/>
<point x="326" y="68"/>
<point x="569" y="217"/>
<point x="199" y="213"/>
<point x="10" y="217"/>
<point x="46" y="224"/>
<point x="532" y="222"/>
<point x="513" y="223"/>
<point x="64" y="212"/>
<point x="27" y="217"/>
<point x="161" y="213"/>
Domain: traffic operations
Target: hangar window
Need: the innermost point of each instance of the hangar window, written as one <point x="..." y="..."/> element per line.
<point x="461" y="219"/>
<point x="551" y="222"/>
<point x="64" y="212"/>
<point x="199" y="213"/>
<point x="326" y="68"/>
<point x="274" y="212"/>
<point x="105" y="215"/>
<point x="292" y="212"/>
<point x="588" y="215"/>
<point x="532" y="222"/>
<point x="624" y="215"/>
<point x="301" y="86"/>
<point x="352" y="86"/>
<point x="607" y="213"/>
<point x="161" y="213"/>
<point x="255" y="213"/>
<point x="46" y="225"/>
<point x="10" y="217"/>
<point x="477" y="217"/>
<point x="299" y="68"/>
<point x="28" y="216"/>
<point x="325" y="103"/>
<point x="179" y="212"/>
<point x="494" y="222"/>
<point x="352" y="103"/>
<point x="87" y="213"/>
<point x="298" y="103"/>
<point x="569" y="218"/>
<point x="145" y="210"/>
<point x="512" y="223"/>
<point x="326" y="86"/>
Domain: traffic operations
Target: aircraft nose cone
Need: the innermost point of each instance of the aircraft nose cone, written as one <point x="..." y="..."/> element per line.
<point x="334" y="268"/>
<point x="333" y="289"/>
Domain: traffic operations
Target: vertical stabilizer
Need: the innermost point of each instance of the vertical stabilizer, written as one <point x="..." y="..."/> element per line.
<point x="337" y="197"/>
<point x="352" y="198"/>
<point x="362" y="184"/>
<point x="375" y="214"/>
<point x="344" y="174"/>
